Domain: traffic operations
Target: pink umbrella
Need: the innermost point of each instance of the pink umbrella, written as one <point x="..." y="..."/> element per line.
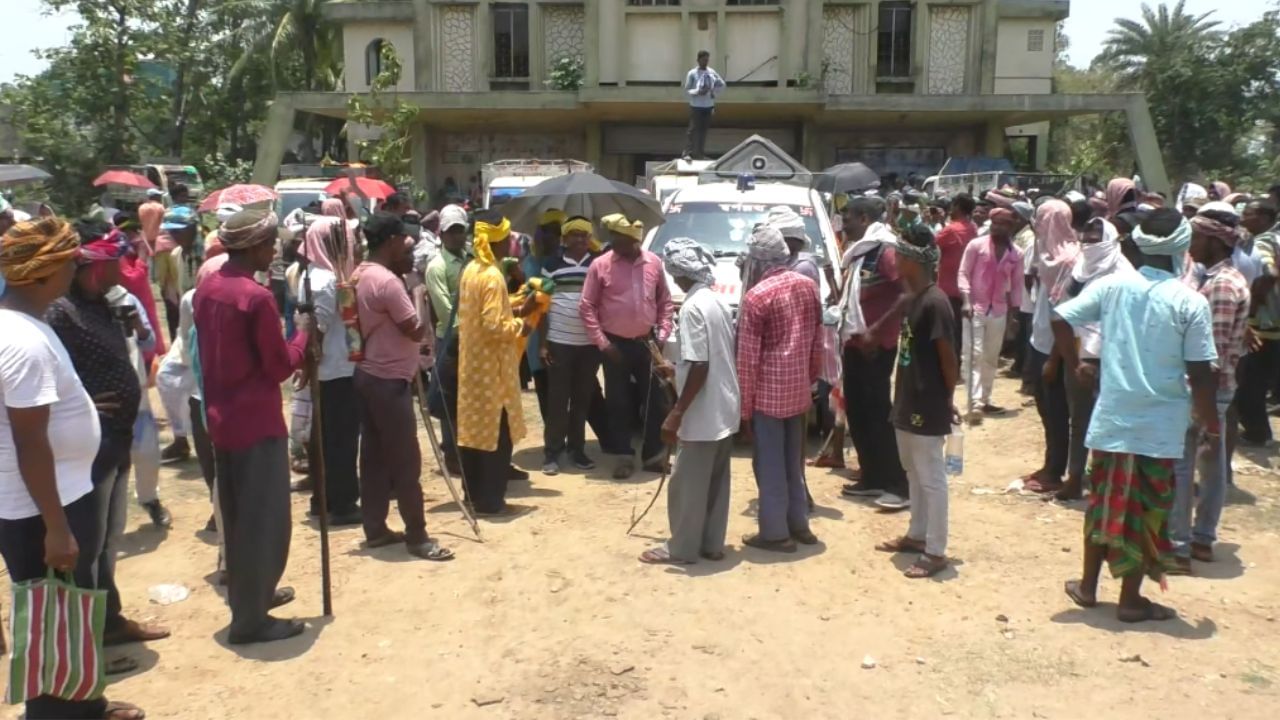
<point x="123" y="177"/>
<point x="363" y="186"/>
<point x="242" y="195"/>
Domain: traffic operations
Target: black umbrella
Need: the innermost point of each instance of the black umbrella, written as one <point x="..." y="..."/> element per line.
<point x="14" y="174"/>
<point x="852" y="177"/>
<point x="581" y="193"/>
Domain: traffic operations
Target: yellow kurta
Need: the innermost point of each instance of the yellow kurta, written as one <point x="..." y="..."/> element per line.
<point x="489" y="350"/>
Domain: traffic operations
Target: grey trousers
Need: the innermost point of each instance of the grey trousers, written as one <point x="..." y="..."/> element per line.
<point x="111" y="503"/>
<point x="778" y="461"/>
<point x="253" y="491"/>
<point x="698" y="498"/>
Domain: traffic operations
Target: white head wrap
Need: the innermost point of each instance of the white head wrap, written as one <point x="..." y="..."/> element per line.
<point x="684" y="257"/>
<point x="788" y="222"/>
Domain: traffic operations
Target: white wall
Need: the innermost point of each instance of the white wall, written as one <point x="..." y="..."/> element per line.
<point x="356" y="37"/>
<point x="1013" y="60"/>
<point x="751" y="39"/>
<point x="653" y="49"/>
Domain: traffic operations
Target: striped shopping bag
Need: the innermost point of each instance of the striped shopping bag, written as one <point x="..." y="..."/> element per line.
<point x="57" y="640"/>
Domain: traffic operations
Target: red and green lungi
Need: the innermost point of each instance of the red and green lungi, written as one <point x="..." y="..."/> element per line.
<point x="1129" y="504"/>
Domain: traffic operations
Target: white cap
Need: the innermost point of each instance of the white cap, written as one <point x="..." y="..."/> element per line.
<point x="451" y="215"/>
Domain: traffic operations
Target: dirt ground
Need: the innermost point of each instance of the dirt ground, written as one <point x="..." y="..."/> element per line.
<point x="553" y="617"/>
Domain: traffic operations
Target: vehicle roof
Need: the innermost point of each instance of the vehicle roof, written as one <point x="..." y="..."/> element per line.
<point x="318" y="184"/>
<point x="762" y="193"/>
<point x="512" y="181"/>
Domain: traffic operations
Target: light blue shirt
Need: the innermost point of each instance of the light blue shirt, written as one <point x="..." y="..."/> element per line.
<point x="698" y="78"/>
<point x="1153" y="326"/>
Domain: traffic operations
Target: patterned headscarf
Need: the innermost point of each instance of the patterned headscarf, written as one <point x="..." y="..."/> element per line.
<point x="248" y="228"/>
<point x="35" y="249"/>
<point x="684" y="257"/>
<point x="619" y="223"/>
<point x="767" y="248"/>
<point x="485" y="236"/>
<point x="104" y="248"/>
<point x="1211" y="221"/>
<point x="788" y="222"/>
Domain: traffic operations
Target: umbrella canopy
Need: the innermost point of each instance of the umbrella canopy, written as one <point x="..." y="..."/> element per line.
<point x="365" y="186"/>
<point x="123" y="177"/>
<point x="581" y="193"/>
<point x="14" y="174"/>
<point x="242" y="195"/>
<point x="846" y="178"/>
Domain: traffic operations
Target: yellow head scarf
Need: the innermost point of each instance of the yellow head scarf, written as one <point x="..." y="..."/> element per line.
<point x="582" y="225"/>
<point x="486" y="235"/>
<point x="35" y="249"/>
<point x="552" y="217"/>
<point x="619" y="223"/>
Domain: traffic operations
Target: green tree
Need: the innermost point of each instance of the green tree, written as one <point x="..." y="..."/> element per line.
<point x="391" y="118"/>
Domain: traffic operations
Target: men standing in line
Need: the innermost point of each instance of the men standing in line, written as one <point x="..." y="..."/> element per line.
<point x="95" y="340"/>
<point x="922" y="403"/>
<point x="706" y="414"/>
<point x="701" y="85"/>
<point x="869" y="360"/>
<point x="443" y="273"/>
<point x="779" y="358"/>
<point x="390" y="461"/>
<point x="571" y="360"/>
<point x="952" y="241"/>
<point x="1157" y="336"/>
<point x="243" y="359"/>
<point x="491" y="341"/>
<point x="1214" y="234"/>
<point x="625" y="301"/>
<point x="339" y="403"/>
<point x="990" y="281"/>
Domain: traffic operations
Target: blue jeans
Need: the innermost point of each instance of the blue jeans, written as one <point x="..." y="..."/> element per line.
<point x="1213" y="469"/>
<point x="778" y="461"/>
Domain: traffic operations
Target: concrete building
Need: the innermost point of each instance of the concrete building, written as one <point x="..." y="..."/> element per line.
<point x="897" y="84"/>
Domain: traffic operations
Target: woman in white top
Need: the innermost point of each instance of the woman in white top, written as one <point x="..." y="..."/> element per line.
<point x="47" y="516"/>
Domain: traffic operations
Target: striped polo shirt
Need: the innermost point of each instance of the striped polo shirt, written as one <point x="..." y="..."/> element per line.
<point x="564" y="323"/>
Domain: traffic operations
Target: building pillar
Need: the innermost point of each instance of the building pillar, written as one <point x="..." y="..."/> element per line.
<point x="483" y="52"/>
<point x="273" y="141"/>
<point x="594" y="141"/>
<point x="1146" y="148"/>
<point x="993" y="139"/>
<point x="591" y="46"/>
<point x="811" y="152"/>
<point x="423" y="45"/>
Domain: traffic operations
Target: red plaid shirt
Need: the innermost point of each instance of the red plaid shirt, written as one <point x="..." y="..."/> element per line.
<point x="779" y="345"/>
<point x="1228" y="295"/>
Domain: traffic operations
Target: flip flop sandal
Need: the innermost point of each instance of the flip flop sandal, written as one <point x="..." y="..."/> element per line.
<point x="123" y="711"/>
<point x="925" y="567"/>
<point x="660" y="556"/>
<point x="120" y="665"/>
<point x="1072" y="588"/>
<point x="282" y="596"/>
<point x="786" y="545"/>
<point x="393" y="537"/>
<point x="1150" y="611"/>
<point x="1040" y="486"/>
<point x="431" y="550"/>
<point x="900" y="545"/>
<point x="712" y="556"/>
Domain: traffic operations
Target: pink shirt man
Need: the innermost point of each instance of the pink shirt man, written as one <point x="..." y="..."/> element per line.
<point x="382" y="303"/>
<point x="626" y="299"/>
<point x="992" y="284"/>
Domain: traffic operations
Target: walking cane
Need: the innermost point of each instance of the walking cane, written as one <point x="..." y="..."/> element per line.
<point x="969" y="376"/>
<point x="315" y="448"/>
<point x="421" y="392"/>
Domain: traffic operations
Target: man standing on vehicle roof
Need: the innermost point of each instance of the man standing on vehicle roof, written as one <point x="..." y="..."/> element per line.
<point x="702" y="84"/>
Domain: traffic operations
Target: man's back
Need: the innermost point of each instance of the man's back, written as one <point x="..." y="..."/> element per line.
<point x="778" y="343"/>
<point x="1154" y="325"/>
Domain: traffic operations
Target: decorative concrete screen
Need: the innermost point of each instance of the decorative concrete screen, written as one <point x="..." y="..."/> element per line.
<point x="837" y="49"/>
<point x="948" y="49"/>
<point x="457" y="35"/>
<point x="563" y="27"/>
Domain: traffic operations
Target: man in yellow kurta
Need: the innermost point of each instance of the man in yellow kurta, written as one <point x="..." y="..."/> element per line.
<point x="490" y="343"/>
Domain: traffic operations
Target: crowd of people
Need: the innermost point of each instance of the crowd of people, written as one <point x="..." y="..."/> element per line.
<point x="1120" y="309"/>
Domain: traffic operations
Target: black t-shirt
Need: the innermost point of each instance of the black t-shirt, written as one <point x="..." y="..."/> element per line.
<point x="921" y="402"/>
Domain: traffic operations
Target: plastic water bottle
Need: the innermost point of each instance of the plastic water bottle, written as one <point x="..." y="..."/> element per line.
<point x="953" y="457"/>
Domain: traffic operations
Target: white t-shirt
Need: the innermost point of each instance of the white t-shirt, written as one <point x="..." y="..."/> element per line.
<point x="34" y="371"/>
<point x="706" y="335"/>
<point x="335" y="357"/>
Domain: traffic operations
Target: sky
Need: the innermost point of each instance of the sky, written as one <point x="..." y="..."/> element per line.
<point x="1086" y="27"/>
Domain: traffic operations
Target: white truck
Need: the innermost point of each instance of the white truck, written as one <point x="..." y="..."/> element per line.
<point x="505" y="179"/>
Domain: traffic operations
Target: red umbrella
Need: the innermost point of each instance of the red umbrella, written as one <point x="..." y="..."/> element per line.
<point x="123" y="177"/>
<point x="242" y="195"/>
<point x="366" y="186"/>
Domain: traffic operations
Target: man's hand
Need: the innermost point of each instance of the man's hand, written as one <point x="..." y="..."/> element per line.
<point x="666" y="370"/>
<point x="60" y="550"/>
<point x="671" y="427"/>
<point x="612" y="354"/>
<point x="1211" y="442"/>
<point x="527" y="306"/>
<point x="302" y="322"/>
<point x="1252" y="342"/>
<point x="1087" y="375"/>
<point x="544" y="354"/>
<point x="1050" y="373"/>
<point x="865" y="342"/>
<point x="966" y="310"/>
<point x="746" y="433"/>
<point x="955" y="415"/>
<point x="526" y="328"/>
<point x="106" y="403"/>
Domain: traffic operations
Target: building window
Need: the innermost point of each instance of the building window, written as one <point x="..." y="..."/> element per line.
<point x="510" y="41"/>
<point x="653" y="3"/>
<point x="373" y="61"/>
<point x="1035" y="41"/>
<point x="893" y="47"/>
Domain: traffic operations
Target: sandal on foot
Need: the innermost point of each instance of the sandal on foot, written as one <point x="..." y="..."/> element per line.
<point x="1202" y="552"/>
<point x="133" y="631"/>
<point x="716" y="556"/>
<point x="123" y="711"/>
<point x="1040" y="485"/>
<point x="926" y="566"/>
<point x="1148" y="611"/>
<point x="1179" y="566"/>
<point x="282" y="596"/>
<point x="901" y="545"/>
<point x="1072" y="588"/>
<point x="660" y="556"/>
<point x="786" y="545"/>
<point x="120" y="665"/>
<point x="805" y="537"/>
<point x="430" y="550"/>
<point x="392" y="537"/>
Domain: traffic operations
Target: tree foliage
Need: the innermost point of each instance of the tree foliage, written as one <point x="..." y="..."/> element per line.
<point x="388" y="119"/>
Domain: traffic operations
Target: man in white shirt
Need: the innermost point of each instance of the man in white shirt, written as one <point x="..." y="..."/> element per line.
<point x="705" y="417"/>
<point x="702" y="84"/>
